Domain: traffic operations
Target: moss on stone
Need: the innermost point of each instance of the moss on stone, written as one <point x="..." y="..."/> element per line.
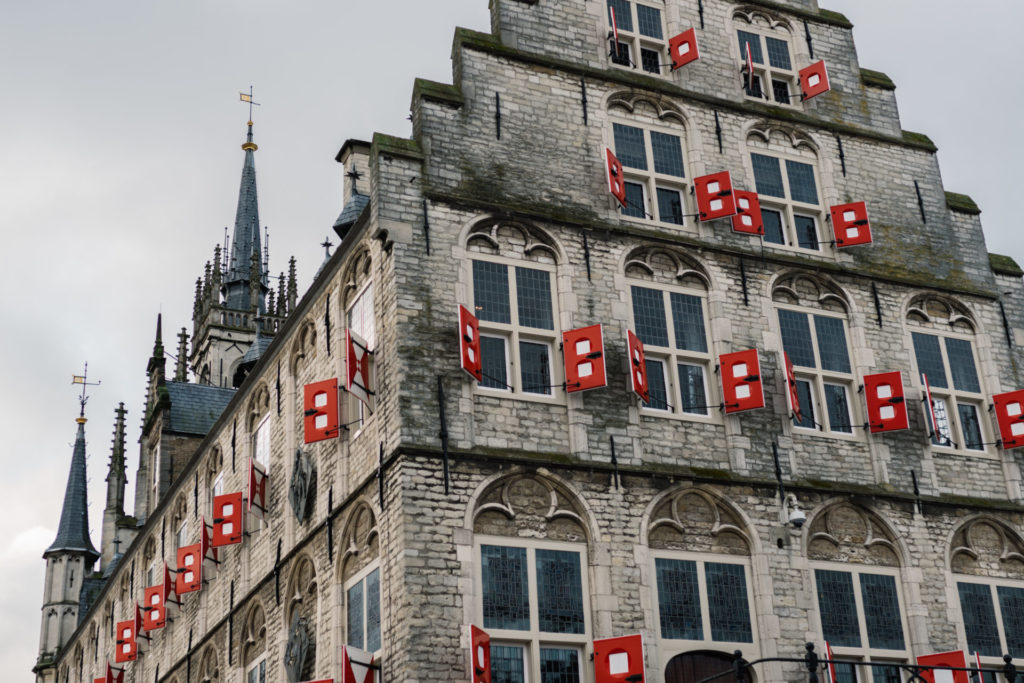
<point x="437" y="92"/>
<point x="962" y="203"/>
<point x="876" y="79"/>
<point x="919" y="140"/>
<point x="1004" y="265"/>
<point x="401" y="147"/>
<point x="835" y="18"/>
<point x="822" y="15"/>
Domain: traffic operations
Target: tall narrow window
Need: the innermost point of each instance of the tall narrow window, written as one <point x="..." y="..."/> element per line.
<point x="360" y="319"/>
<point x="261" y="443"/>
<point x="363" y="610"/>
<point x="515" y="306"/>
<point x="949" y="365"/>
<point x="641" y="27"/>
<point x="703" y="600"/>
<point x="655" y="175"/>
<point x="790" y="202"/>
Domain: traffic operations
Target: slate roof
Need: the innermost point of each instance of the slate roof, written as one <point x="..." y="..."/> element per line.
<point x="246" y="239"/>
<point x="73" y="530"/>
<point x="195" y="407"/>
<point x="350" y="214"/>
<point x="255" y="351"/>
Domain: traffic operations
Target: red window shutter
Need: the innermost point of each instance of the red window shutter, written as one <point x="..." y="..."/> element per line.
<point x="209" y="551"/>
<point x="356" y="665"/>
<point x="480" y="653"/>
<point x="257" y="490"/>
<point x="792" y="394"/>
<point x="850" y="224"/>
<point x="887" y="409"/>
<point x="190" y="569"/>
<point x="714" y="196"/>
<point x="112" y="676"/>
<point x="956" y="659"/>
<point x="616" y="183"/>
<point x="748" y="213"/>
<point x="170" y="585"/>
<point x="358" y="372"/>
<point x="584" y="359"/>
<point x="154" y="611"/>
<point x="638" y="366"/>
<point x="619" y="659"/>
<point x="127" y="647"/>
<point x="741" y="381"/>
<point x="683" y="48"/>
<point x="227" y="519"/>
<point x="1009" y="409"/>
<point x="469" y="344"/>
<point x="929" y="409"/>
<point x="814" y="80"/>
<point x="320" y="410"/>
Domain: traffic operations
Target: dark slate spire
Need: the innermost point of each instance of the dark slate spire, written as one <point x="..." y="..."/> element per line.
<point x="246" y="239"/>
<point x="73" y="530"/>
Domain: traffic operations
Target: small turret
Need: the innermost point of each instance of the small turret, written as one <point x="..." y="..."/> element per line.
<point x="117" y="478"/>
<point x="181" y="363"/>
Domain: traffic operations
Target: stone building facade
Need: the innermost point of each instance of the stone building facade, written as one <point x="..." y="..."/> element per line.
<point x="553" y="518"/>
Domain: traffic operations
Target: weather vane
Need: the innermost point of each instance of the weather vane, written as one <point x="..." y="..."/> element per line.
<point x="247" y="97"/>
<point x="82" y="379"/>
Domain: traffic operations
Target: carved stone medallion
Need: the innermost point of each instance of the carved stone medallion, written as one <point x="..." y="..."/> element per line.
<point x="303" y="478"/>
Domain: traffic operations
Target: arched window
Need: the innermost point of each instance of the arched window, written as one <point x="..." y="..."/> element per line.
<point x="812" y="316"/>
<point x="302" y="619"/>
<point x="254" y="645"/>
<point x="770" y="41"/>
<point x="987" y="560"/>
<point x="702" y="577"/>
<point x="784" y="163"/>
<point x="361" y="580"/>
<point x="668" y="291"/>
<point x="360" y="317"/>
<point x="209" y="667"/>
<point x="642" y="42"/>
<point x="259" y="427"/>
<point x="513" y="276"/>
<point x="855" y="562"/>
<point x="942" y="336"/>
<point x="532" y="592"/>
<point x="648" y="138"/>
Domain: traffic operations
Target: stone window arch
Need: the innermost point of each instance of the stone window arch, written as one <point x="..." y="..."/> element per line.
<point x="945" y="348"/>
<point x="302" y="617"/>
<point x="856" y="559"/>
<point x="209" y="666"/>
<point x="776" y="54"/>
<point x="359" y="312"/>
<point x="531" y="579"/>
<point x="254" y="640"/>
<point x="361" y="579"/>
<point x="179" y="522"/>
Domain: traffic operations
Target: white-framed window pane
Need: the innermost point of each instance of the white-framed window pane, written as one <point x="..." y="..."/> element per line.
<point x="623" y="15"/>
<point x="929" y="359"/>
<point x="882" y="611"/>
<point x="635" y="202"/>
<point x="506" y="598"/>
<point x="807" y="412"/>
<point x="649" y="21"/>
<point x="535" y="365"/>
<point x="649" y="316"/>
<point x="508" y="664"/>
<point x="650" y="60"/>
<point x="837" y="404"/>
<point x="944" y="432"/>
<point x="670" y="206"/>
<point x="629" y="146"/>
<point x="621" y="56"/>
<point x="971" y="426"/>
<point x="754" y="40"/>
<point x="780" y="91"/>
<point x="678" y="599"/>
<point x="796" y="338"/>
<point x="837" y="607"/>
<point x="356" y="630"/>
<point x="778" y="53"/>
<point x="559" y="591"/>
<point x="767" y="175"/>
<point x="261" y="443"/>
<point x="692" y="390"/>
<point x="831" y="334"/>
<point x="656" y="385"/>
<point x="668" y="154"/>
<point x="182" y="538"/>
<point x="533" y="295"/>
<point x="258" y="673"/>
<point x="373" y="611"/>
<point x="494" y="362"/>
<point x="979" y="619"/>
<point x="360" y="317"/>
<point x="802" y="186"/>
<point x="961" y="365"/>
<point x="1011" y="606"/>
<point x="806" y="232"/>
<point x="559" y="665"/>
<point x="772" y="226"/>
<point x="728" y="607"/>
<point x="688" y="322"/>
<point x="490" y="292"/>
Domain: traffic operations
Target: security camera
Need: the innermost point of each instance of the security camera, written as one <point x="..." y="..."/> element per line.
<point x="797" y="517"/>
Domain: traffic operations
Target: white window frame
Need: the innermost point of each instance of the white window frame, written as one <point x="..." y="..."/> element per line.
<point x="864" y="653"/>
<point x="513" y="333"/>
<point x="951" y="396"/>
<point x="357" y="578"/>
<point x="261" y="443"/>
<point x="671" y="357"/>
<point x="216" y="489"/>
<point x="789" y="208"/>
<point x="634" y="41"/>
<point x="260" y="661"/>
<point x="987" y="661"/>
<point x="362" y="320"/>
<point x="650" y="180"/>
<point x="674" y="645"/>
<point x="818" y="377"/>
<point x="765" y="73"/>
<point x="533" y="640"/>
<point x="181" y="538"/>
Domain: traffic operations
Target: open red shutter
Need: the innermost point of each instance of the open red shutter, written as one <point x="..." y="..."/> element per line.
<point x="683" y="48"/>
<point x="741" y="381"/>
<point x="154" y="612"/>
<point x="617" y="660"/>
<point x="616" y="184"/>
<point x="190" y="569"/>
<point x="127" y="648"/>
<point x="356" y="665"/>
<point x="887" y="409"/>
<point x="227" y="519"/>
<point x="257" y="490"/>
<point x="956" y="659"/>
<point x="638" y="367"/>
<point x="358" y="375"/>
<point x="480" y="653"/>
<point x="320" y="410"/>
<point x="850" y="224"/>
<point x="748" y="213"/>
<point x="469" y="344"/>
<point x="714" y="196"/>
<point x="792" y="395"/>
<point x="929" y="408"/>
<point x="814" y="80"/>
<point x="584" y="359"/>
<point x="1009" y="409"/>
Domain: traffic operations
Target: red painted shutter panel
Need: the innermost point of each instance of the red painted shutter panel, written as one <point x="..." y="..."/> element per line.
<point x="683" y="48"/>
<point x="584" y="359"/>
<point x="814" y="80"/>
<point x="617" y="660"/>
<point x="887" y="408"/>
<point x="1009" y="409"/>
<point x="638" y="367"/>
<point x="469" y="344"/>
<point x="741" y="381"/>
<point x="320" y="410"/>
<point x="748" y="213"/>
<point x="714" y="196"/>
<point x="850" y="224"/>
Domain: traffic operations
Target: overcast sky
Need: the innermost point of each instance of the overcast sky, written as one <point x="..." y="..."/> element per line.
<point x="120" y="127"/>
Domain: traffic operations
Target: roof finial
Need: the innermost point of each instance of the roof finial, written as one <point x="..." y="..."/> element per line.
<point x="247" y="97"/>
<point x="83" y="380"/>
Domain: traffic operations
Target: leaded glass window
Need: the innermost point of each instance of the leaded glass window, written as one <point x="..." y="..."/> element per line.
<point x="821" y="362"/>
<point x="641" y="30"/>
<point x="801" y="182"/>
<point x="654" y="168"/>
<point x="979" y="619"/>
<point x="837" y="608"/>
<point x="1011" y="606"/>
<point x="727" y="602"/>
<point x="505" y="594"/>
<point x="679" y="599"/>
<point x="507" y="664"/>
<point x="703" y="600"/>
<point x="559" y="665"/>
<point x="882" y="611"/>
<point x="957" y="400"/>
<point x="767" y="175"/>
<point x="672" y="328"/>
<point x="362" y="611"/>
<point x="778" y="53"/>
<point x="788" y="200"/>
<point x="559" y="591"/>
<point x="512" y="303"/>
<point x="777" y="69"/>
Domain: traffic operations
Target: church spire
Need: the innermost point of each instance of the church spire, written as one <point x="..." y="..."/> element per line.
<point x="246" y="240"/>
<point x="117" y="478"/>
<point x="73" y="529"/>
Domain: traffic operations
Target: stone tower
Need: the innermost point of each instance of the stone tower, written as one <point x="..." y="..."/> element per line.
<point x="69" y="559"/>
<point x="233" y="298"/>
